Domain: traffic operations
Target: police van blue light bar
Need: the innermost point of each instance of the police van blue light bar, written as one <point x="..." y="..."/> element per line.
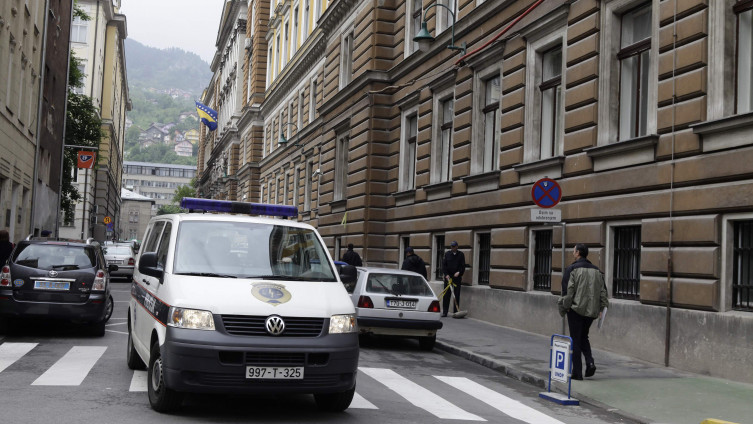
<point x="209" y="205"/>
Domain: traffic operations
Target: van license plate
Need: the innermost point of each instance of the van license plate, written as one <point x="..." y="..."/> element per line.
<point x="52" y="285"/>
<point x="275" y="373"/>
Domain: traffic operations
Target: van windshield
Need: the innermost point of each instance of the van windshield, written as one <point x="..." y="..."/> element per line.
<point x="250" y="250"/>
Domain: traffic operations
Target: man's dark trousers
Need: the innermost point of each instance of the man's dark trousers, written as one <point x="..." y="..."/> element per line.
<point x="579" y="326"/>
<point x="448" y="294"/>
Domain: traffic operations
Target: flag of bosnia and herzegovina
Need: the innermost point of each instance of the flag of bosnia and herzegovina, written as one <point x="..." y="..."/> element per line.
<point x="207" y="115"/>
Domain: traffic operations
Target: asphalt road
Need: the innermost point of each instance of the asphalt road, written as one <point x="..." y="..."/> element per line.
<point x="55" y="373"/>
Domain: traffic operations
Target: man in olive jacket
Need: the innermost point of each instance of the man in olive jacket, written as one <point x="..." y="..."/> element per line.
<point x="584" y="297"/>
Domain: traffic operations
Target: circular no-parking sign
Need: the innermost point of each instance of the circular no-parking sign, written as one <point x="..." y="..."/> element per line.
<point x="546" y="193"/>
<point x="107" y="220"/>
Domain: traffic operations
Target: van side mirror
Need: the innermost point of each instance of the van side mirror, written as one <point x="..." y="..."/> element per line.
<point x="148" y="265"/>
<point x="348" y="274"/>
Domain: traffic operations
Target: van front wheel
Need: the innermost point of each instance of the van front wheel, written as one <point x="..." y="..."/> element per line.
<point x="161" y="398"/>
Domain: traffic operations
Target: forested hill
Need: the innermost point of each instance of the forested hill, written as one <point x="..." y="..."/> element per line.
<point x="164" y="69"/>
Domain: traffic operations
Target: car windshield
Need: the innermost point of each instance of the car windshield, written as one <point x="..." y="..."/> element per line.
<point x="118" y="250"/>
<point x="59" y="257"/>
<point x="397" y="284"/>
<point x="251" y="250"/>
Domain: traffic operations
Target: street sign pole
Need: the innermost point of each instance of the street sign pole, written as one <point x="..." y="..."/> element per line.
<point x="560" y="369"/>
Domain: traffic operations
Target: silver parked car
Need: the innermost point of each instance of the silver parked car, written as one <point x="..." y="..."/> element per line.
<point x="396" y="303"/>
<point x="123" y="256"/>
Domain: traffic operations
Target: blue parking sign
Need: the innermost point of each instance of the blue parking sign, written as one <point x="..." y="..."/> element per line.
<point x="560" y="360"/>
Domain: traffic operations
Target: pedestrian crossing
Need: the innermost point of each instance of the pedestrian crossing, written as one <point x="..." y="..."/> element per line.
<point x="75" y="364"/>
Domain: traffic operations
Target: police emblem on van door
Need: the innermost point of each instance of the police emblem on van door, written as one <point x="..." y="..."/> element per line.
<point x="273" y="294"/>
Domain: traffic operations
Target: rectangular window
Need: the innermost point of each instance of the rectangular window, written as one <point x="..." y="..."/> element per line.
<point x="286" y="188"/>
<point x="341" y="167"/>
<point x="635" y="46"/>
<point x="286" y="45"/>
<point x="744" y="11"/>
<point x="301" y="98"/>
<point x="627" y="263"/>
<point x="542" y="260"/>
<point x="408" y="153"/>
<point x="551" y="102"/>
<point x="283" y="127"/>
<point x="306" y="17"/>
<point x="318" y="9"/>
<point x="290" y="118"/>
<point x="491" y="123"/>
<point x="278" y="57"/>
<point x="312" y="102"/>
<point x="447" y="112"/>
<point x="308" y="180"/>
<point x="79" y="29"/>
<point x="269" y="67"/>
<point x="742" y="276"/>
<point x="415" y="22"/>
<point x="346" y="59"/>
<point x="484" y="258"/>
<point x="294" y="38"/>
<point x="438" y="257"/>
<point x="446" y="19"/>
<point x="296" y="177"/>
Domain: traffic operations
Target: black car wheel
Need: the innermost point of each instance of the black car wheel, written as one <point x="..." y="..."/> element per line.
<point x="161" y="397"/>
<point x="109" y="308"/>
<point x="335" y="402"/>
<point x="427" y="343"/>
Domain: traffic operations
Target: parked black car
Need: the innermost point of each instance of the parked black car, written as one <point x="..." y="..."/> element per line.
<point x="52" y="279"/>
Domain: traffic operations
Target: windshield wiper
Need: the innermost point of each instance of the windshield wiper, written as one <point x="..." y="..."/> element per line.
<point x="392" y="292"/>
<point x="278" y="277"/>
<point x="206" y="274"/>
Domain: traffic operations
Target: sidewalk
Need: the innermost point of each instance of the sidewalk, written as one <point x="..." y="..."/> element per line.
<point x="642" y="391"/>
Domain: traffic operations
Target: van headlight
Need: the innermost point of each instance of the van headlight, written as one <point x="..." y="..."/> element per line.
<point x="340" y="324"/>
<point x="193" y="319"/>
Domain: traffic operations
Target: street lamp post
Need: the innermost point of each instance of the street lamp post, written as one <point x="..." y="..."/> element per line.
<point x="424" y="38"/>
<point x="282" y="142"/>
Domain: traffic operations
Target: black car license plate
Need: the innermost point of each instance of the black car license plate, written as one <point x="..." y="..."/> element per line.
<point x="52" y="285"/>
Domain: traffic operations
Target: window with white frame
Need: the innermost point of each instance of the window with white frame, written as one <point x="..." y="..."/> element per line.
<point x="285" y="188"/>
<point x="413" y="25"/>
<point x="79" y="29"/>
<point x="318" y="11"/>
<point x="262" y="199"/>
<point x="306" y="17"/>
<point x="744" y="11"/>
<point x="445" y="19"/>
<point x="550" y="90"/>
<point x="285" y="46"/>
<point x="341" y="167"/>
<point x="307" y="185"/>
<point x="290" y="117"/>
<point x="294" y="38"/>
<point x="407" y="180"/>
<point x="269" y="67"/>
<point x="312" y="101"/>
<point x="488" y="145"/>
<point x="296" y="177"/>
<point x="442" y="143"/>
<point x="634" y="58"/>
<point x="283" y="127"/>
<point x="82" y="69"/>
<point x="346" y="59"/>
<point x="278" y="59"/>
<point x="301" y="99"/>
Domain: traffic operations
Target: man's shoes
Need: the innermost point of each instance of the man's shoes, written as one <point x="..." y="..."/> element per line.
<point x="590" y="370"/>
<point x="577" y="377"/>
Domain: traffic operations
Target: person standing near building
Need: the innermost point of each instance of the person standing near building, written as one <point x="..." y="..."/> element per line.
<point x="413" y="262"/>
<point x="6" y="247"/>
<point x="584" y="297"/>
<point x="453" y="267"/>
<point x="351" y="257"/>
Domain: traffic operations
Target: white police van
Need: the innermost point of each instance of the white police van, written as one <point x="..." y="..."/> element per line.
<point x="225" y="303"/>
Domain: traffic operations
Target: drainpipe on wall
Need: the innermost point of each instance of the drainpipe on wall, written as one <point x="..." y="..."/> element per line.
<point x="671" y="192"/>
<point x="42" y="75"/>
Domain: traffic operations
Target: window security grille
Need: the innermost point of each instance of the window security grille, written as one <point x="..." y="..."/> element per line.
<point x="542" y="268"/>
<point x="742" y="283"/>
<point x="438" y="257"/>
<point x="627" y="262"/>
<point x="484" y="258"/>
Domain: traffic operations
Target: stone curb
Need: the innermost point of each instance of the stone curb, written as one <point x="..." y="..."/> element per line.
<point x="530" y="378"/>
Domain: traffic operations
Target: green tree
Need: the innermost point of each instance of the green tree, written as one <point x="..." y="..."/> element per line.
<point x="167" y="209"/>
<point x="184" y="191"/>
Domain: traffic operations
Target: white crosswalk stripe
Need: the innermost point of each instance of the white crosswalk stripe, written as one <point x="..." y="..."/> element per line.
<point x="12" y="352"/>
<point x="360" y="403"/>
<point x="138" y="381"/>
<point x="499" y="401"/>
<point x="72" y="368"/>
<point x="419" y="396"/>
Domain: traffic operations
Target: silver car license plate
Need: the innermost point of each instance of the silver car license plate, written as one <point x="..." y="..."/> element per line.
<point x="408" y="304"/>
<point x="275" y="373"/>
<point x="52" y="285"/>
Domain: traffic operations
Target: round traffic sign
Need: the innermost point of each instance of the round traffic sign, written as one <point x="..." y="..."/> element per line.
<point x="107" y="220"/>
<point x="546" y="193"/>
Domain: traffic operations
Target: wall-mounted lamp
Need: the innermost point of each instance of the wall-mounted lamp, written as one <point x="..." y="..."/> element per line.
<point x="282" y="142"/>
<point x="424" y="38"/>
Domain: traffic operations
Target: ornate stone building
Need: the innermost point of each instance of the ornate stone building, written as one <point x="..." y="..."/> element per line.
<point x="642" y="111"/>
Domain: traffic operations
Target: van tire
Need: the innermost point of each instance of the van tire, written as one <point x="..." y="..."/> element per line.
<point x="335" y="402"/>
<point x="161" y="398"/>
<point x="133" y="359"/>
<point x="427" y="343"/>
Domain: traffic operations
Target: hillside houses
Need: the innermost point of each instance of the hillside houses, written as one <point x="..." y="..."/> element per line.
<point x="183" y="142"/>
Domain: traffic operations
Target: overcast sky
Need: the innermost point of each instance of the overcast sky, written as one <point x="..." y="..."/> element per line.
<point x="188" y="24"/>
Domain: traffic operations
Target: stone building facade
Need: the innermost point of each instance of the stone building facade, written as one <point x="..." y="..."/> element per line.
<point x="642" y="111"/>
<point x="156" y="181"/>
<point x="137" y="211"/>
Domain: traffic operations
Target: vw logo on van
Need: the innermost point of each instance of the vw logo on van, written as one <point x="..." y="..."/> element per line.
<point x="275" y="325"/>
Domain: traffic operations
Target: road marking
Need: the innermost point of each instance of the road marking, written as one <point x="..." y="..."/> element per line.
<point x="12" y="352"/>
<point x="138" y="382"/>
<point x="119" y="332"/>
<point x="117" y="323"/>
<point x="418" y="395"/>
<point x="72" y="368"/>
<point x="359" y="402"/>
<point x="504" y="404"/>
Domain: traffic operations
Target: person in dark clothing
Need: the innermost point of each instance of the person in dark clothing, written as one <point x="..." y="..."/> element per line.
<point x="351" y="257"/>
<point x="584" y="297"/>
<point x="6" y="247"/>
<point x="413" y="262"/>
<point x="453" y="267"/>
